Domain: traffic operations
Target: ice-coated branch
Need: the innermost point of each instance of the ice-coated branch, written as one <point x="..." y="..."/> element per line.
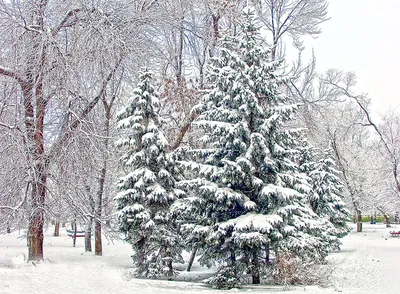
<point x="11" y="74"/>
<point x="64" y="21"/>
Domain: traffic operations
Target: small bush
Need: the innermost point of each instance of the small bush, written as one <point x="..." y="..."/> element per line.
<point x="225" y="278"/>
<point x="293" y="270"/>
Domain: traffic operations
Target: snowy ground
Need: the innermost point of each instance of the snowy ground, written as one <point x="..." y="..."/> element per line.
<point x="366" y="264"/>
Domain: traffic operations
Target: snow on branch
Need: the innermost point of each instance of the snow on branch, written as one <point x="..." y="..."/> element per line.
<point x="11" y="74"/>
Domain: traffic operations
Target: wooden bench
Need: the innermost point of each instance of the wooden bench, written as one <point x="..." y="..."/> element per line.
<point x="395" y="234"/>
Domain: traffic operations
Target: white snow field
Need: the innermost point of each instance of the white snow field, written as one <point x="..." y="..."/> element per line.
<point x="367" y="263"/>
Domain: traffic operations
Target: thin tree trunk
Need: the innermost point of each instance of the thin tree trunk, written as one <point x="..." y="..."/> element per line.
<point x="267" y="254"/>
<point x="57" y="229"/>
<point x="385" y="215"/>
<point x="98" y="247"/>
<point x="352" y="190"/>
<point x="215" y="34"/>
<point x="179" y="55"/>
<point x="88" y="235"/>
<point x="191" y="259"/>
<point x="89" y="222"/>
<point x="74" y="236"/>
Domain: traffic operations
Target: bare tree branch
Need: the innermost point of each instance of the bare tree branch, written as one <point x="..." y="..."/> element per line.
<point x="63" y="23"/>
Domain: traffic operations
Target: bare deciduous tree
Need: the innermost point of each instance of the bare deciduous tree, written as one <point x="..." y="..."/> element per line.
<point x="294" y="18"/>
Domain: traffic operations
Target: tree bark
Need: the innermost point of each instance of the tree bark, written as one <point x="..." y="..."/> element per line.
<point x="191" y="259"/>
<point x="34" y="146"/>
<point x="88" y="235"/>
<point x="255" y="269"/>
<point x="359" y="221"/>
<point x="98" y="247"/>
<point x="35" y="237"/>
<point x="140" y="244"/>
<point x="74" y="235"/>
<point x="168" y="263"/>
<point x="57" y="229"/>
<point x="215" y="33"/>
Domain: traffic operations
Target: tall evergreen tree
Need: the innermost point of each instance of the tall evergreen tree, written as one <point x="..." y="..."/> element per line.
<point x="250" y="193"/>
<point x="327" y="195"/>
<point x="149" y="188"/>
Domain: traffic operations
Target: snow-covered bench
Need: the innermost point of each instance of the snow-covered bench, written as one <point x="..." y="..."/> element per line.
<point x="80" y="233"/>
<point x="395" y="234"/>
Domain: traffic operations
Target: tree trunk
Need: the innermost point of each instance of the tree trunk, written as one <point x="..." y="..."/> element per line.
<point x="57" y="229"/>
<point x="140" y="244"/>
<point x="98" y="247"/>
<point x="168" y="264"/>
<point x="33" y="142"/>
<point x="89" y="222"/>
<point x="35" y="236"/>
<point x="74" y="235"/>
<point x="215" y="34"/>
<point x="359" y="221"/>
<point x="255" y="269"/>
<point x="179" y="54"/>
<point x="88" y="235"/>
<point x="385" y="215"/>
<point x="191" y="259"/>
<point x="36" y="221"/>
<point x="387" y="220"/>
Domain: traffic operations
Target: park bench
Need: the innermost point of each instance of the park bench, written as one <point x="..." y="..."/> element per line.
<point x="395" y="234"/>
<point x="79" y="233"/>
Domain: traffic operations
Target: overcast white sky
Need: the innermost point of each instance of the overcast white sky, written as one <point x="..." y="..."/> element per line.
<point x="364" y="36"/>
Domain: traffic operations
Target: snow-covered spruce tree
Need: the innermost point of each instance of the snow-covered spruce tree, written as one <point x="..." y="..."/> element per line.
<point x="147" y="191"/>
<point x="326" y="199"/>
<point x="250" y="195"/>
